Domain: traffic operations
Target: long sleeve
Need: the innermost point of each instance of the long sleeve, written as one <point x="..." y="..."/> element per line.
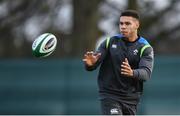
<point x="145" y="65"/>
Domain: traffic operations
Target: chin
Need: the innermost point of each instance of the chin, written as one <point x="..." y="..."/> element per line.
<point x="125" y="35"/>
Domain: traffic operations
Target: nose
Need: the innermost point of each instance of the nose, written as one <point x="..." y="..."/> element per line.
<point x="121" y="24"/>
<point x="122" y="27"/>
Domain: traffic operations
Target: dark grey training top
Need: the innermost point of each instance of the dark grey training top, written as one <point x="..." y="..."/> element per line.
<point x="114" y="85"/>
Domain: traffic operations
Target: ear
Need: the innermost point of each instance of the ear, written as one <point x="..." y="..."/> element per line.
<point x="137" y="24"/>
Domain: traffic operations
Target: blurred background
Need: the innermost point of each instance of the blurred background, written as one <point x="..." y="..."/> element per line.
<point x="58" y="84"/>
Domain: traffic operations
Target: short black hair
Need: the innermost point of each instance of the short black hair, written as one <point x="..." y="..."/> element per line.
<point x="132" y="13"/>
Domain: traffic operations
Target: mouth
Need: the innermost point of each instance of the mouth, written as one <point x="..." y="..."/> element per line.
<point x="124" y="32"/>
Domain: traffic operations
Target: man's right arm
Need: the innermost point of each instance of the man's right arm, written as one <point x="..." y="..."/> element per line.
<point x="102" y="50"/>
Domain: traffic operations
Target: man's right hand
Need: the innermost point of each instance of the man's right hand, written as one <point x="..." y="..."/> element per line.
<point x="90" y="58"/>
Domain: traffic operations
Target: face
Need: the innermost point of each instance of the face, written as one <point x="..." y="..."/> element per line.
<point x="128" y="26"/>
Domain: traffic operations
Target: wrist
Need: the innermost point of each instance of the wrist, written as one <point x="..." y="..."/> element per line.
<point x="135" y="74"/>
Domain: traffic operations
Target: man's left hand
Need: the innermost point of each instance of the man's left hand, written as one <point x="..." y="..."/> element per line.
<point x="126" y="69"/>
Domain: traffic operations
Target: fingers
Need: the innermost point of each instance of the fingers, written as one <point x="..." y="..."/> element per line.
<point x="124" y="73"/>
<point x="98" y="55"/>
<point x="84" y="60"/>
<point x="126" y="60"/>
<point x="126" y="63"/>
<point x="90" y="58"/>
<point x="92" y="54"/>
<point x="126" y="68"/>
<point x="89" y="53"/>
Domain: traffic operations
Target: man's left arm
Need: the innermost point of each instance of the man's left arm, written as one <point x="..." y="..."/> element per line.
<point x="146" y="63"/>
<point x="144" y="71"/>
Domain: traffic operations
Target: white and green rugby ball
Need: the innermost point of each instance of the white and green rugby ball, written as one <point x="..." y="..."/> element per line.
<point x="44" y="45"/>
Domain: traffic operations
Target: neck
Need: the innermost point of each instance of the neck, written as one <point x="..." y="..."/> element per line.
<point x="133" y="37"/>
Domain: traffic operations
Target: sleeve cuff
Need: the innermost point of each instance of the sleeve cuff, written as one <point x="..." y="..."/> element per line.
<point x="135" y="74"/>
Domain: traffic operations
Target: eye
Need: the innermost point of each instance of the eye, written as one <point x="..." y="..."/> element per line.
<point x="127" y="23"/>
<point x="120" y="23"/>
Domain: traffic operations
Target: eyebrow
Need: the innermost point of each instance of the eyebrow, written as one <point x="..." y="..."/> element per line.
<point x="124" y="22"/>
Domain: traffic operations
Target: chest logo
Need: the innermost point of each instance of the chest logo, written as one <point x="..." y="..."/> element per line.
<point x="135" y="52"/>
<point x="114" y="46"/>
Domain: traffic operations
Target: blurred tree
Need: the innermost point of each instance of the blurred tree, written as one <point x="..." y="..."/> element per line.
<point x="85" y="30"/>
<point x="14" y="42"/>
<point x="161" y="26"/>
<point x="133" y="4"/>
<point x="16" y="22"/>
<point x="159" y="22"/>
<point x="21" y="21"/>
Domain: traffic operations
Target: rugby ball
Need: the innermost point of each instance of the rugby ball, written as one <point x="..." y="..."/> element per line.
<point x="44" y="45"/>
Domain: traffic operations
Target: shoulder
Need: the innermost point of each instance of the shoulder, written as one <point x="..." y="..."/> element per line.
<point x="112" y="38"/>
<point x="143" y="41"/>
<point x="145" y="46"/>
<point x="117" y="36"/>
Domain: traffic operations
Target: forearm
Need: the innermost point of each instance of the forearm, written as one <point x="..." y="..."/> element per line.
<point x="142" y="74"/>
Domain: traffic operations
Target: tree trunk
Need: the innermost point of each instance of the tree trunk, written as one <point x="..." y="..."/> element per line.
<point x="85" y="31"/>
<point x="133" y="4"/>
